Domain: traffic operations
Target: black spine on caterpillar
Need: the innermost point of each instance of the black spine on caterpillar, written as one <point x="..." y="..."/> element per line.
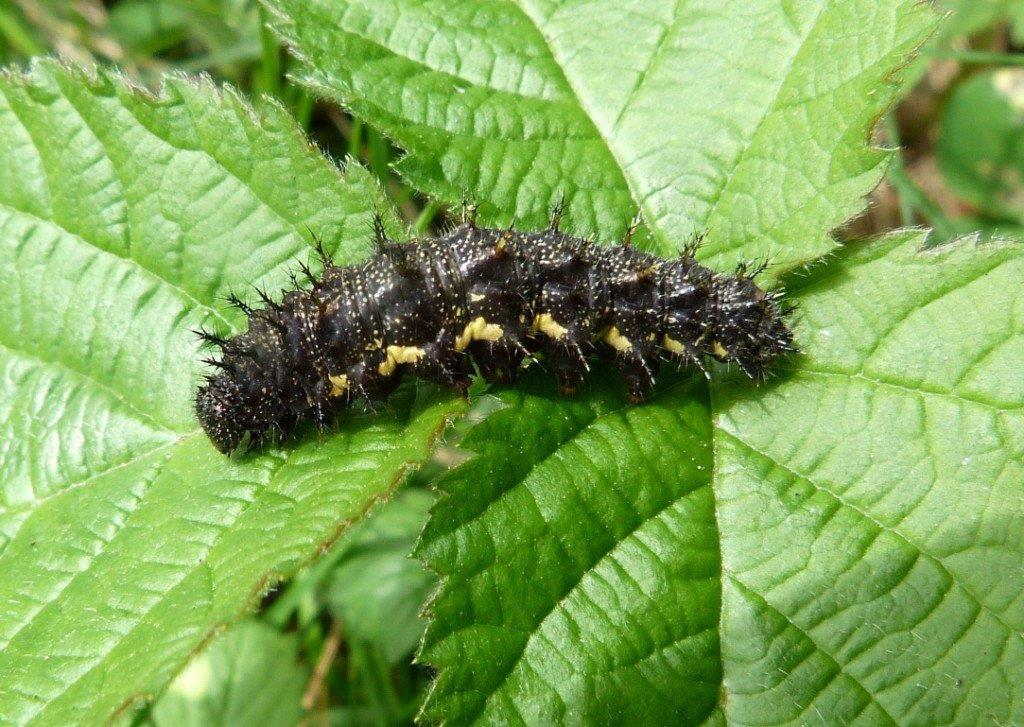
<point x="499" y="295"/>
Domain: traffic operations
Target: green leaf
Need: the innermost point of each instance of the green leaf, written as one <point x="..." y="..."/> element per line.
<point x="972" y="16"/>
<point x="842" y="546"/>
<point x="377" y="590"/>
<point x="144" y="26"/>
<point x="869" y="505"/>
<point x="247" y="676"/>
<point x="981" y="142"/>
<point x="748" y="120"/>
<point x="580" y="561"/>
<point x="125" y="539"/>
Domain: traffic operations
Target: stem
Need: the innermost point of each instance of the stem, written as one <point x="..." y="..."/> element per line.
<point x="20" y="37"/>
<point x="976" y="57"/>
<point x="316" y="683"/>
<point x="426" y="217"/>
<point x="915" y="196"/>
<point x="270" y="63"/>
<point x="355" y="139"/>
<point x="240" y="52"/>
<point x="892" y="131"/>
<point x="304" y="108"/>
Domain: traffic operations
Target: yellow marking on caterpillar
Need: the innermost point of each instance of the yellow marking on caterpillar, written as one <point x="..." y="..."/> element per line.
<point x="400" y="355"/>
<point x="719" y="349"/>
<point x="476" y="297"/>
<point x="547" y="325"/>
<point x="478" y="330"/>
<point x="616" y="340"/>
<point x="339" y="384"/>
<point x="673" y="346"/>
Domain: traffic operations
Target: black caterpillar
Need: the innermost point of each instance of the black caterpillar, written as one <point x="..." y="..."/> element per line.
<point x="502" y="296"/>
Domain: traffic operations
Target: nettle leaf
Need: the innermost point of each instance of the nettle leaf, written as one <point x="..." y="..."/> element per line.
<point x="580" y="563"/>
<point x="973" y="16"/>
<point x="125" y="539"/>
<point x="842" y="546"/>
<point x="870" y="505"/>
<point x="980" y="149"/>
<point x="747" y="120"/>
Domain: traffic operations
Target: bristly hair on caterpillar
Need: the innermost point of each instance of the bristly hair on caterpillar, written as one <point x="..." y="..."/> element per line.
<point x="500" y="296"/>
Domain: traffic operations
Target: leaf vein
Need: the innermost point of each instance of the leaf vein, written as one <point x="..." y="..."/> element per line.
<point x="751" y="593"/>
<point x="907" y="540"/>
<point x="573" y="587"/>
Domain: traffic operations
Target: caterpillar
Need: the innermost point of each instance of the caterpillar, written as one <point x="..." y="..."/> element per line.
<point x="498" y="295"/>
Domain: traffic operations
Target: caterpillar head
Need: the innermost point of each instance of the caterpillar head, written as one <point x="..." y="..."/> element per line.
<point x="228" y="409"/>
<point x="746" y="325"/>
<point x="246" y="396"/>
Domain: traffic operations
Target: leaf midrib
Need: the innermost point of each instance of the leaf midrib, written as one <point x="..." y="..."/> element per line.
<point x="71" y="486"/>
<point x="287" y="223"/>
<point x="538" y="626"/>
<point x="138" y="619"/>
<point x="87" y="377"/>
<point x="507" y="492"/>
<point x="400" y="52"/>
<point x="598" y="418"/>
<point x="29" y="131"/>
<point x="840" y="669"/>
<point x="769" y="108"/>
<point x="75" y="575"/>
<point x="652" y="219"/>
<point x="905" y="387"/>
<point x="68" y="234"/>
<point x="535" y="139"/>
<point x="606" y="141"/>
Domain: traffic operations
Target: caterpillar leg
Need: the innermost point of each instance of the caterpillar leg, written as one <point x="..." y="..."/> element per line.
<point x="566" y="333"/>
<point x="633" y="355"/>
<point x="495" y="332"/>
<point x="500" y="360"/>
<point x="569" y="363"/>
<point x="364" y="381"/>
<point x="637" y="370"/>
<point x="441" y="365"/>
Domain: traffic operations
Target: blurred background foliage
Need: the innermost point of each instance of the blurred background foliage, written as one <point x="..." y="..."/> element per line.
<point x="959" y="127"/>
<point x="335" y="645"/>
